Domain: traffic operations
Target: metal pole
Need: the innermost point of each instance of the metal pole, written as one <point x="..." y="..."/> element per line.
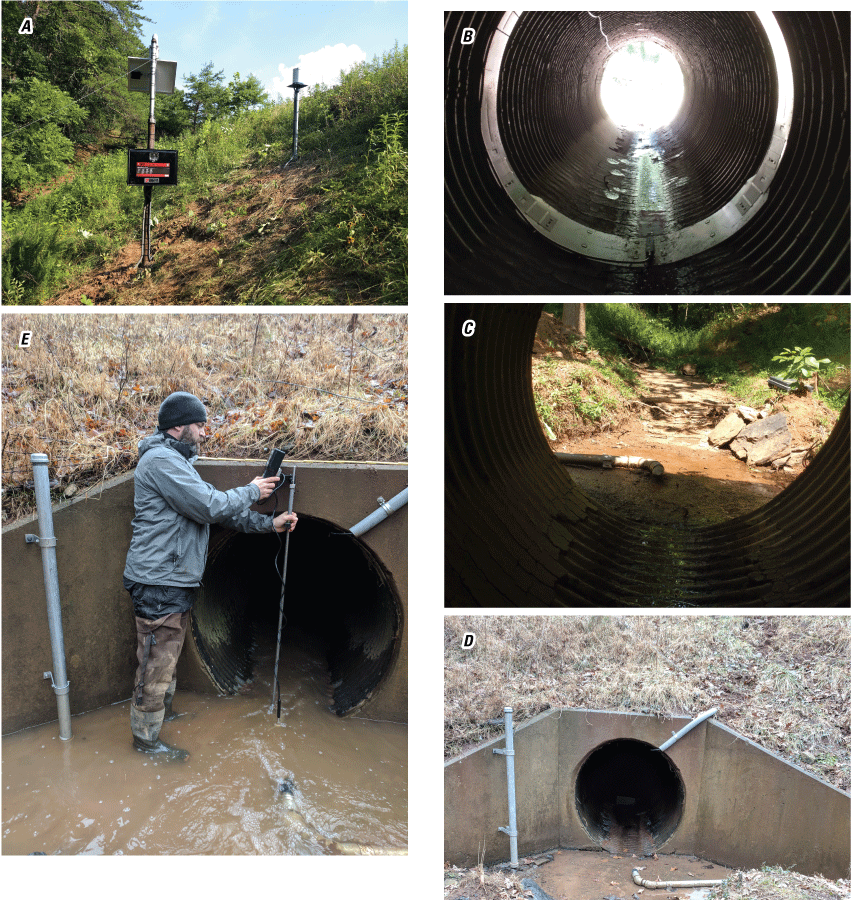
<point x="295" y="115"/>
<point x="508" y="753"/>
<point x="152" y="122"/>
<point x="147" y="255"/>
<point x="46" y="539"/>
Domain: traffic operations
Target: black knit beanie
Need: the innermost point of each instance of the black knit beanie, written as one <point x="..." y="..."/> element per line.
<point x="180" y="408"/>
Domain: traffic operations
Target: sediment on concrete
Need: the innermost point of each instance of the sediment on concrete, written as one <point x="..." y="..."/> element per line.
<point x="349" y="594"/>
<point x="718" y="795"/>
<point x="520" y="533"/>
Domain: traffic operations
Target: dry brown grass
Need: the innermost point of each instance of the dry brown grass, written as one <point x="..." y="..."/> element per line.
<point x="89" y="387"/>
<point x="782" y="681"/>
<point x="775" y="883"/>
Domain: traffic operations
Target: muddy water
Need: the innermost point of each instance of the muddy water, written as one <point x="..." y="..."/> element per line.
<point x="95" y="794"/>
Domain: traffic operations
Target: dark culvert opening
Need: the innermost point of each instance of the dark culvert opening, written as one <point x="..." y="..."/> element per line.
<point x="739" y="193"/>
<point x="629" y="797"/>
<point x="337" y="593"/>
<point x="519" y="533"/>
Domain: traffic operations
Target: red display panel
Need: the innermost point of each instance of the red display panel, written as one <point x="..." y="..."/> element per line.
<point x="152" y="167"/>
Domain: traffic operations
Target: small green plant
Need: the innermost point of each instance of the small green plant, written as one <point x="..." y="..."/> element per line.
<point x="800" y="364"/>
<point x="85" y="300"/>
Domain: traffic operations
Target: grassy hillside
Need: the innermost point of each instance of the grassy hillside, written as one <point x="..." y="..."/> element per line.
<point x="88" y="389"/>
<point x="782" y="681"/>
<point x="243" y="225"/>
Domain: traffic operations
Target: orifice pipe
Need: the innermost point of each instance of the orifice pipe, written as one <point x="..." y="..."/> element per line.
<point x="508" y="753"/>
<point x="383" y="511"/>
<point x="674" y="884"/>
<point x="603" y="459"/>
<point x="46" y="539"/>
<point x="685" y="730"/>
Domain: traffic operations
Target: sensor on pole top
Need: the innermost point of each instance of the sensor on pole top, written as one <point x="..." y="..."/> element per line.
<point x="296" y="85"/>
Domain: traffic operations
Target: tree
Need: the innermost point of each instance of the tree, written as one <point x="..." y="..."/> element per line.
<point x="173" y="115"/>
<point x="573" y="318"/>
<point x="245" y="93"/>
<point x="206" y="97"/>
<point x="80" y="48"/>
<point x="39" y="150"/>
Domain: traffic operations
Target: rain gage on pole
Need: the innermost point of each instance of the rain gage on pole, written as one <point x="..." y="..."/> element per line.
<point x="149" y="167"/>
<point x="296" y="86"/>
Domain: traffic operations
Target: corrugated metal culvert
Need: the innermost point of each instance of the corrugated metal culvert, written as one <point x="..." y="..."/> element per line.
<point x="745" y="191"/>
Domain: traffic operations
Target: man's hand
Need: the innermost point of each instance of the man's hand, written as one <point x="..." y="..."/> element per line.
<point x="266" y="485"/>
<point x="284" y="520"/>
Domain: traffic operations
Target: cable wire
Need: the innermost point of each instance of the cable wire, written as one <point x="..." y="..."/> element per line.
<point x="600" y="22"/>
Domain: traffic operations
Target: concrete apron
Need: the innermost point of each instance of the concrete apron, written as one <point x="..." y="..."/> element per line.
<point x="580" y="773"/>
<point x="350" y="592"/>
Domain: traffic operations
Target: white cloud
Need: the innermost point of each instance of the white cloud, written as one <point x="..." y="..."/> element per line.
<point x="319" y="67"/>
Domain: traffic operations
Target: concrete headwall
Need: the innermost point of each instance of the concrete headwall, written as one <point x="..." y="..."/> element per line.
<point x="93" y="534"/>
<point x="741" y="805"/>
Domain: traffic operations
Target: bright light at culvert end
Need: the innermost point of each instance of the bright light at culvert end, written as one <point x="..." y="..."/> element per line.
<point x="642" y="86"/>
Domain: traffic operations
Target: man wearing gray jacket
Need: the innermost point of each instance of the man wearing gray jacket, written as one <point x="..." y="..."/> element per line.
<point x="168" y="553"/>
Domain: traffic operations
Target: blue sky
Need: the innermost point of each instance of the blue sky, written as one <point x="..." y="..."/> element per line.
<point x="270" y="37"/>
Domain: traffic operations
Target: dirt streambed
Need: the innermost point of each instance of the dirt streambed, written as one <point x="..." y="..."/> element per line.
<point x="702" y="485"/>
<point x="95" y="794"/>
<point x="584" y="875"/>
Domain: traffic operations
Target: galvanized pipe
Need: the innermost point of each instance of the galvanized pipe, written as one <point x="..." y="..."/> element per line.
<point x="606" y="461"/>
<point x="508" y="753"/>
<point x="384" y="510"/>
<point x="685" y="730"/>
<point x="46" y="539"/>
<point x="674" y="884"/>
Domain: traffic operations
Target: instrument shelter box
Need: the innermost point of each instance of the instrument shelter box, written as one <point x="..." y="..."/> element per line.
<point x="152" y="167"/>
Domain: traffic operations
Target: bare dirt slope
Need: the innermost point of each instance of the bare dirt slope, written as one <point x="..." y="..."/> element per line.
<point x="214" y="252"/>
<point x="701" y="485"/>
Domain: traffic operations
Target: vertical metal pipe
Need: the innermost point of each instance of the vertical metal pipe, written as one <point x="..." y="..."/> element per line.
<point x="152" y="122"/>
<point x="295" y="115"/>
<point x="508" y="753"/>
<point x="47" y="541"/>
<point x="147" y="255"/>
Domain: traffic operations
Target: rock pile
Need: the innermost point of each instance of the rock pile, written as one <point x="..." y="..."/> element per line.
<point x="758" y="437"/>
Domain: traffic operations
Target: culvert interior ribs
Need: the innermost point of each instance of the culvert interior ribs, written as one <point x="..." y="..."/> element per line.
<point x="561" y="146"/>
<point x="520" y="533"/>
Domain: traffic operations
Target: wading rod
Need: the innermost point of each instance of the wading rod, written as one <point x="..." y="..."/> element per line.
<point x="276" y="697"/>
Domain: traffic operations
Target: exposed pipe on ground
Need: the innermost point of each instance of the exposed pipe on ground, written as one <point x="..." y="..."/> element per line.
<point x="687" y="728"/>
<point x="674" y="884"/>
<point x="508" y="753"/>
<point x="606" y="461"/>
<point x="46" y="539"/>
<point x="384" y="510"/>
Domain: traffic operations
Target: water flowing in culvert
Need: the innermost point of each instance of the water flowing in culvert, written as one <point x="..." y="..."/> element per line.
<point x="97" y="795"/>
<point x="336" y="591"/>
